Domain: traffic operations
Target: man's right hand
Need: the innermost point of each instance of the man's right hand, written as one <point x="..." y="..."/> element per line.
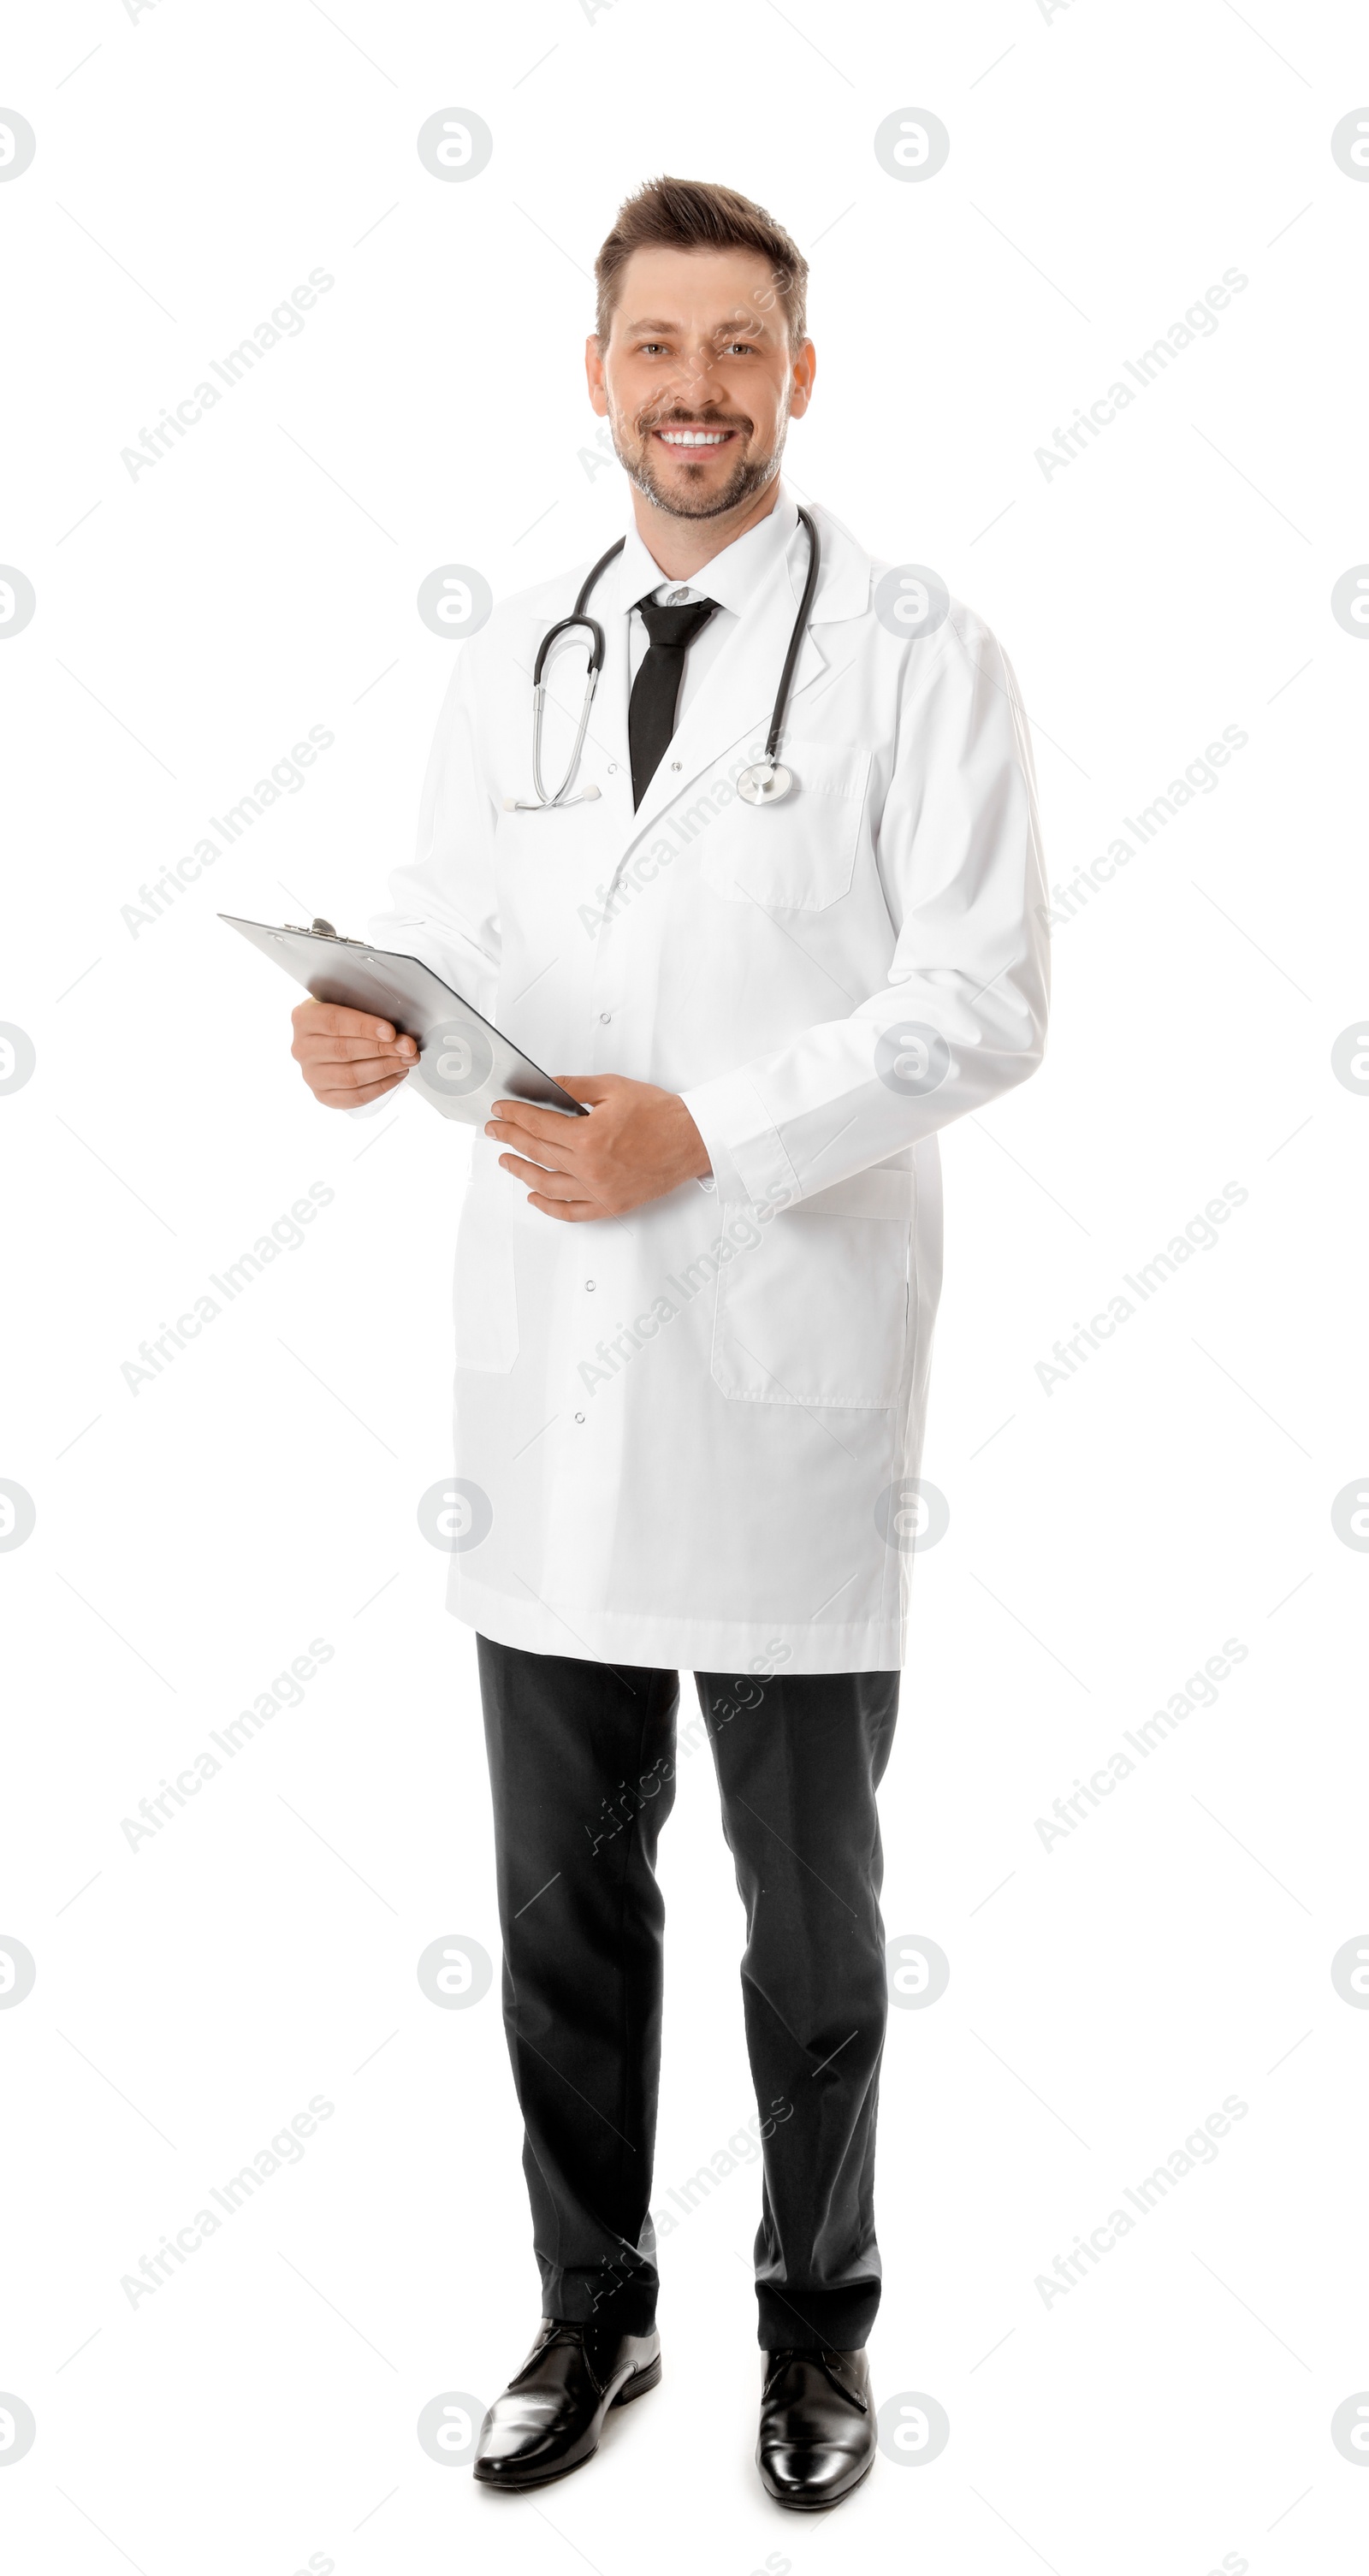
<point x="347" y="1057"/>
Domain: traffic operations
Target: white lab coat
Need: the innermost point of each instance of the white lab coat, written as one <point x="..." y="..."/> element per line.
<point x="687" y="1437"/>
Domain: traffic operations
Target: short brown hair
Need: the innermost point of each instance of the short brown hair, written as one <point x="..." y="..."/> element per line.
<point x="695" y="214"/>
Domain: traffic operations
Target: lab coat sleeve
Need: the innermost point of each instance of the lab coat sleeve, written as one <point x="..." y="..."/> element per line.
<point x="442" y="901"/>
<point x="962" y="1014"/>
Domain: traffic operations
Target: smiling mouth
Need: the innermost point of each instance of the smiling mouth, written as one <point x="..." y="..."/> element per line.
<point x="693" y="442"/>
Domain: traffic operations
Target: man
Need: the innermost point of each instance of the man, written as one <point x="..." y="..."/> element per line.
<point x="693" y="1327"/>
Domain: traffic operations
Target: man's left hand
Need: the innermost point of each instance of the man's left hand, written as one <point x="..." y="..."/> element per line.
<point x="637" y="1143"/>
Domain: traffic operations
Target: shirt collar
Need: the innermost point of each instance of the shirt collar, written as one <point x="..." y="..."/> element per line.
<point x="733" y="577"/>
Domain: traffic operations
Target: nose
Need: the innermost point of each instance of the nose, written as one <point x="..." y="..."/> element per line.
<point x="698" y="384"/>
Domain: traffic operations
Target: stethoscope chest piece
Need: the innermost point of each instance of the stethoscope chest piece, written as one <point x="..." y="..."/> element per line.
<point x="765" y="783"/>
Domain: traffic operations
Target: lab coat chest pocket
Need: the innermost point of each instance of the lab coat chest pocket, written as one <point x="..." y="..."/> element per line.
<point x="816" y="1310"/>
<point x="485" y="1302"/>
<point x="799" y="855"/>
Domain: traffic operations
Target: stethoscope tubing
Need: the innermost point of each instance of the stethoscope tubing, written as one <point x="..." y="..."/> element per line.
<point x="595" y="664"/>
<point x="772" y="740"/>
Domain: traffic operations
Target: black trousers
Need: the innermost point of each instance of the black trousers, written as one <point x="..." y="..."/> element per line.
<point x="582" y="1771"/>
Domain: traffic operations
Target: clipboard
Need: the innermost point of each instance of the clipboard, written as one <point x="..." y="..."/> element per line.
<point x="464" y="1063"/>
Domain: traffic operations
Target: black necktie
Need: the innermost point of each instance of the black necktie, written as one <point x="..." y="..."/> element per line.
<point x="656" y="689"/>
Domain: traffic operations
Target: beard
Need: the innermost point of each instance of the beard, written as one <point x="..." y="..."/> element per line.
<point x="749" y="476"/>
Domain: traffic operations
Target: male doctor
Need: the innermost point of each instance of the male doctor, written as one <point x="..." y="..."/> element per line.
<point x="693" y="1327"/>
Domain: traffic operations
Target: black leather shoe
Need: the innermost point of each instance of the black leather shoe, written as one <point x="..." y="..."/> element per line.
<point x="818" y="2433"/>
<point x="551" y="2415"/>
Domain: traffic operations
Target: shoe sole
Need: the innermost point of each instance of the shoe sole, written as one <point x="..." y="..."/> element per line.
<point x="638" y="2386"/>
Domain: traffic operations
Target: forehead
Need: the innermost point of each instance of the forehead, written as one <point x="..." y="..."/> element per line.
<point x="698" y="290"/>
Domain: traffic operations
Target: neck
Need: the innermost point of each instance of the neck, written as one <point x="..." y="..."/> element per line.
<point x="683" y="546"/>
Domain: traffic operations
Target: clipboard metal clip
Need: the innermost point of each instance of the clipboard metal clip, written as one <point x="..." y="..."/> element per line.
<point x="318" y="928"/>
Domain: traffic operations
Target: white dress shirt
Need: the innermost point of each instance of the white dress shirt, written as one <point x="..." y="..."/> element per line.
<point x="732" y="577"/>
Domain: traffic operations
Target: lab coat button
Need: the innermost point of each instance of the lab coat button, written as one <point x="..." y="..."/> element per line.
<point x="579" y="1417"/>
<point x="606" y="1016"/>
<point x="589" y="1284"/>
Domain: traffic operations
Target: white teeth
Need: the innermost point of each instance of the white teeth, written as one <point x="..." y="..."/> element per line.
<point x="693" y="437"/>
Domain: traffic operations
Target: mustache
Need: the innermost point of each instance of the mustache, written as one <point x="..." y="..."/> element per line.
<point x="676" y="418"/>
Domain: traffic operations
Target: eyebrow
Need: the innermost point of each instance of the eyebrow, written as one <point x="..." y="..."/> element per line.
<point x="748" y="322"/>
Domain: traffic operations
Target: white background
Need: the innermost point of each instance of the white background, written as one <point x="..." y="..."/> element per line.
<point x="258" y="2411"/>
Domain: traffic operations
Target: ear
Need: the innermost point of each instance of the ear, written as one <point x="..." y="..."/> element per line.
<point x="805" y="369"/>
<point x="594" y="376"/>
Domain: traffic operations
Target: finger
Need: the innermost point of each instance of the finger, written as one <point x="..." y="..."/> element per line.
<point x="337" y="1019"/>
<point x="320" y="1048"/>
<point x="570" y="1211"/>
<point x="549" y="1150"/>
<point x="590" y="1088"/>
<point x="543" y="1124"/>
<point x="358" y="1098"/>
<point x="554" y="1185"/>
<point x="346" y="1080"/>
<point x="346" y="1077"/>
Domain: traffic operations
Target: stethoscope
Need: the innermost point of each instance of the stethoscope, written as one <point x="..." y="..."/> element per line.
<point x="765" y="783"/>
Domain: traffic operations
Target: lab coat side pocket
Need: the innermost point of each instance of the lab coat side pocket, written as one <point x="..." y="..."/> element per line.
<point x="816" y="1313"/>
<point x="485" y="1298"/>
